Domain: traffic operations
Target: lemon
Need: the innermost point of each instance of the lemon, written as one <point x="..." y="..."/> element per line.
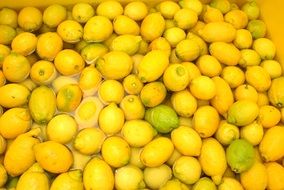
<point x="152" y="26"/>
<point x="61" y="124"/>
<point x="111" y="91"/>
<point x="16" y="67"/>
<point x="152" y="66"/>
<point x="201" y="43"/>
<point x="209" y="66"/>
<point x="160" y="44"/>
<point x="237" y="18"/>
<point x="53" y="157"/>
<point x="157" y="152"/>
<point x="14" y="122"/>
<point x="233" y="75"/>
<point x="243" y="39"/>
<point x="70" y="31"/>
<point x="226" y="53"/>
<point x="132" y="84"/>
<point x="176" y="77"/>
<point x="246" y="92"/>
<point x="79" y="160"/>
<point x="136" y="10"/>
<point x="89" y="141"/>
<point x="187" y="50"/>
<point x="275" y="92"/>
<point x="69" y="180"/>
<point x="124" y="25"/>
<point x="8" y="17"/>
<point x="269" y="116"/>
<point x="249" y="57"/>
<point x="53" y="15"/>
<point x="258" y="77"/>
<point x="174" y="184"/>
<point x="175" y="155"/>
<point x="116" y="147"/>
<point x="111" y="119"/>
<point x="87" y="113"/>
<point x="126" y="43"/>
<point x="137" y="58"/>
<point x="20" y="155"/>
<point x="212" y="15"/>
<point x="156" y="177"/>
<point x="223" y="5"/>
<point x="192" y="70"/>
<point x="226" y="133"/>
<point x="68" y="98"/>
<point x="184" y="103"/>
<point x="169" y="23"/>
<point x="24" y="43"/>
<point x="257" y="28"/>
<point x="61" y="81"/>
<point x="203" y="87"/>
<point x="251" y="9"/>
<point x="93" y="51"/>
<point x="30" y="19"/>
<point x="129" y="177"/>
<point x="174" y="35"/>
<point x="265" y="48"/>
<point x="132" y="107"/>
<point x="3" y="144"/>
<point x="43" y="72"/>
<point x="89" y="80"/>
<point x="97" y="29"/>
<point x="262" y="99"/>
<point x="135" y="157"/>
<point x="195" y="5"/>
<point x="230" y="184"/>
<point x="174" y="58"/>
<point x="49" y="45"/>
<point x="3" y="175"/>
<point x="198" y="26"/>
<point x="168" y="9"/>
<point x="82" y="12"/>
<point x="4" y="51"/>
<point x="270" y="147"/>
<point x="275" y="173"/>
<point x="213" y="159"/>
<point x="110" y="9"/>
<point x="181" y="21"/>
<point x="272" y="67"/>
<point x="109" y="68"/>
<point x="13" y="95"/>
<point x="253" y="133"/>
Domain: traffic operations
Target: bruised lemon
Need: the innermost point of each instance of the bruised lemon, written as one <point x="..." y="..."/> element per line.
<point x="153" y="93"/>
<point x="24" y="43"/>
<point x="111" y="91"/>
<point x="30" y="19"/>
<point x="43" y="72"/>
<point x="82" y="12"/>
<point x="109" y="9"/>
<point x="132" y="107"/>
<point x="68" y="98"/>
<point x="136" y="10"/>
<point x="70" y="31"/>
<point x="53" y="15"/>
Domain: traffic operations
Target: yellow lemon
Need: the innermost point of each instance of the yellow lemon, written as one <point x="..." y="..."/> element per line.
<point x="187" y="141"/>
<point x="111" y="119"/>
<point x="201" y="43"/>
<point x="257" y="28"/>
<point x="230" y="184"/>
<point x="68" y="98"/>
<point x="275" y="92"/>
<point x="16" y="67"/>
<point x="124" y="25"/>
<point x="70" y="31"/>
<point x="138" y="133"/>
<point x="269" y="116"/>
<point x="156" y="177"/>
<point x="160" y="44"/>
<point x="249" y="57"/>
<point x="43" y="72"/>
<point x="8" y="17"/>
<point x="49" y="45"/>
<point x="61" y="124"/>
<point x="14" y="122"/>
<point x="258" y="77"/>
<point x="132" y="84"/>
<point x="185" y="18"/>
<point x="135" y="157"/>
<point x="212" y="15"/>
<point x="3" y="175"/>
<point x="93" y="51"/>
<point x="152" y="26"/>
<point x="126" y="43"/>
<point x="251" y="9"/>
<point x="132" y="107"/>
<point x="3" y="145"/>
<point x="275" y="173"/>
<point x="7" y="34"/>
<point x="265" y="48"/>
<point x="13" y="95"/>
<point x="109" y="9"/>
<point x="153" y="93"/>
<point x="98" y="175"/>
<point x="198" y="26"/>
<point x="223" y="5"/>
<point x="253" y="133"/>
<point x="262" y="99"/>
<point x="87" y="113"/>
<point x="203" y="88"/>
<point x="29" y="84"/>
<point x="184" y="103"/>
<point x="272" y="67"/>
<point x="53" y="157"/>
<point x="68" y="181"/>
<point x="30" y="19"/>
<point x="136" y="10"/>
<point x="97" y="29"/>
<point x="89" y="80"/>
<point x="246" y="92"/>
<point x="4" y="51"/>
<point x="111" y="91"/>
<point x="187" y="50"/>
<point x="129" y="177"/>
<point x="168" y="9"/>
<point x="174" y="184"/>
<point x="89" y="140"/>
<point x="82" y="12"/>
<point x="195" y="5"/>
<point x="169" y="23"/>
<point x="233" y="75"/>
<point x="107" y="65"/>
<point x="237" y="18"/>
<point x="53" y="15"/>
<point x="157" y="152"/>
<point x="174" y="35"/>
<point x="271" y="146"/>
<point x="243" y="39"/>
<point x="209" y="66"/>
<point x="226" y="133"/>
<point x="24" y="43"/>
<point x="115" y="147"/>
<point x="192" y="70"/>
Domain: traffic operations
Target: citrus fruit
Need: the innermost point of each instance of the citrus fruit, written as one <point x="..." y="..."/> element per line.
<point x="82" y="12"/>
<point x="53" y="15"/>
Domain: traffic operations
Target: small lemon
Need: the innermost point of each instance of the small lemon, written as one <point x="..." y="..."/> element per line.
<point x="126" y="43"/>
<point x="185" y="18"/>
<point x="243" y="39"/>
<point x="129" y="177"/>
<point x="209" y="66"/>
<point x="68" y="98"/>
<point x="253" y="133"/>
<point x="111" y="91"/>
<point x="69" y="62"/>
<point x="8" y="17"/>
<point x="136" y="10"/>
<point x="67" y="181"/>
<point x="109" y="9"/>
<point x="49" y="45"/>
<point x="124" y="25"/>
<point x="61" y="124"/>
<point x="275" y="174"/>
<point x="132" y="107"/>
<point x="230" y="184"/>
<point x="43" y="72"/>
<point x="237" y="18"/>
<point x="2" y="79"/>
<point x="233" y="75"/>
<point x="195" y="5"/>
<point x="24" y="43"/>
<point x="246" y="92"/>
<point x="16" y="67"/>
<point x="184" y="103"/>
<point x="174" y="35"/>
<point x="203" y="88"/>
<point x="116" y="147"/>
<point x="265" y="48"/>
<point x="70" y="31"/>
<point x="187" y="50"/>
<point x="156" y="177"/>
<point x="258" y="77"/>
<point x="135" y="157"/>
<point x="53" y="15"/>
<point x="153" y="93"/>
<point x="82" y="12"/>
<point x="168" y="9"/>
<point x="132" y="84"/>
<point x="97" y="29"/>
<point x="89" y="141"/>
<point x="192" y="70"/>
<point x="160" y="44"/>
<point x="249" y="57"/>
<point x="4" y="51"/>
<point x="272" y="67"/>
<point x="30" y="19"/>
<point x="87" y="113"/>
<point x="226" y="133"/>
<point x="187" y="169"/>
<point x="212" y="15"/>
<point x="111" y="119"/>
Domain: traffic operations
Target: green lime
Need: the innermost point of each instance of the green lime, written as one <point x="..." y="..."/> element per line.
<point x="251" y="9"/>
<point x="257" y="28"/>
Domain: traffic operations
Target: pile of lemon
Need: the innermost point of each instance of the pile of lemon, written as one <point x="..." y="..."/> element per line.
<point x="176" y="96"/>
